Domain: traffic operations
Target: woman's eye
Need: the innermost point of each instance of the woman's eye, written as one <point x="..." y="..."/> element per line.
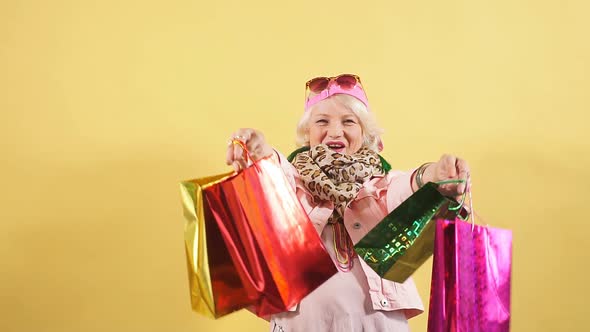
<point x="349" y="121"/>
<point x="321" y="121"/>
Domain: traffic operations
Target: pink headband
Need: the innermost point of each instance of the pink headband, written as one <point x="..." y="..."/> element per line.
<point x="356" y="91"/>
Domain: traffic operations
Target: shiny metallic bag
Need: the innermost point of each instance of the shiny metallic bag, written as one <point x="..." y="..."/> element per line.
<point x="404" y="239"/>
<point x="249" y="242"/>
<point x="471" y="273"/>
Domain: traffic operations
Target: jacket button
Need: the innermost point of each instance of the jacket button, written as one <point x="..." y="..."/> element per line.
<point x="356" y="225"/>
<point x="384" y="303"/>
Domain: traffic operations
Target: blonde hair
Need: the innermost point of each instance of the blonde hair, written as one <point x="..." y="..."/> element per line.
<point x="371" y="131"/>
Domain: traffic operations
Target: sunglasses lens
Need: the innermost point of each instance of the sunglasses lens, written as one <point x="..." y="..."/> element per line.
<point x="318" y="84"/>
<point x="346" y="81"/>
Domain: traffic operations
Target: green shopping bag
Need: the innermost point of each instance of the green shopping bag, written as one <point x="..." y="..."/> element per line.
<point x="404" y="239"/>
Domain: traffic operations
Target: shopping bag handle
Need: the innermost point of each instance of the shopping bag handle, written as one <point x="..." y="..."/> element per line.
<point x="463" y="199"/>
<point x="242" y="144"/>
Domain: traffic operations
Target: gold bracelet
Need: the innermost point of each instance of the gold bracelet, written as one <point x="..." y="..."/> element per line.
<point x="420" y="173"/>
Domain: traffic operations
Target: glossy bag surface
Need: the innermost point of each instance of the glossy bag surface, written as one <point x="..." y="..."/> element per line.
<point x="404" y="239"/>
<point x="471" y="278"/>
<point x="214" y="283"/>
<point x="275" y="251"/>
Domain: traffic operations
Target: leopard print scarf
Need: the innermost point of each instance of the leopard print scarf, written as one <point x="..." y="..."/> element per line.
<point x="337" y="177"/>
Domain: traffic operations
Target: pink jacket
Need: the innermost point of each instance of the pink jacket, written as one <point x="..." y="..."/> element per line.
<point x="376" y="199"/>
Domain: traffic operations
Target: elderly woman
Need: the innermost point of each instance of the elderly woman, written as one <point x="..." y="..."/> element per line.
<point x="347" y="188"/>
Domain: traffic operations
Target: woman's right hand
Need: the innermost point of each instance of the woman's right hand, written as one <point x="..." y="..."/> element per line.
<point x="255" y="143"/>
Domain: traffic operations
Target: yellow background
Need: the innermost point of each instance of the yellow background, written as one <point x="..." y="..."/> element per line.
<point x="106" y="105"/>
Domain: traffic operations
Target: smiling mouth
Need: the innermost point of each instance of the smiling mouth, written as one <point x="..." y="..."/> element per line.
<point x="336" y="146"/>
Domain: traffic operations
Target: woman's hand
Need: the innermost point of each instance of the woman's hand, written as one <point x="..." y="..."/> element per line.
<point x="255" y="143"/>
<point x="448" y="168"/>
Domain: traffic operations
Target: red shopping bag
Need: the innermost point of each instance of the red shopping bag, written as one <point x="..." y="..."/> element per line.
<point x="255" y="219"/>
<point x="470" y="290"/>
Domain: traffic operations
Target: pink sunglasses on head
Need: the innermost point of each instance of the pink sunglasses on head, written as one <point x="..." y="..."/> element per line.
<point x="320" y="88"/>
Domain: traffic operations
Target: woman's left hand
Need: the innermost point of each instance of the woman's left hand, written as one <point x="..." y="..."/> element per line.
<point x="448" y="167"/>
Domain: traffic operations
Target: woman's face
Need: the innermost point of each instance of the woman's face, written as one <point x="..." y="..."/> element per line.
<point x="336" y="126"/>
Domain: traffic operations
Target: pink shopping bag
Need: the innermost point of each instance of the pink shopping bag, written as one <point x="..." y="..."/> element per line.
<point x="470" y="290"/>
